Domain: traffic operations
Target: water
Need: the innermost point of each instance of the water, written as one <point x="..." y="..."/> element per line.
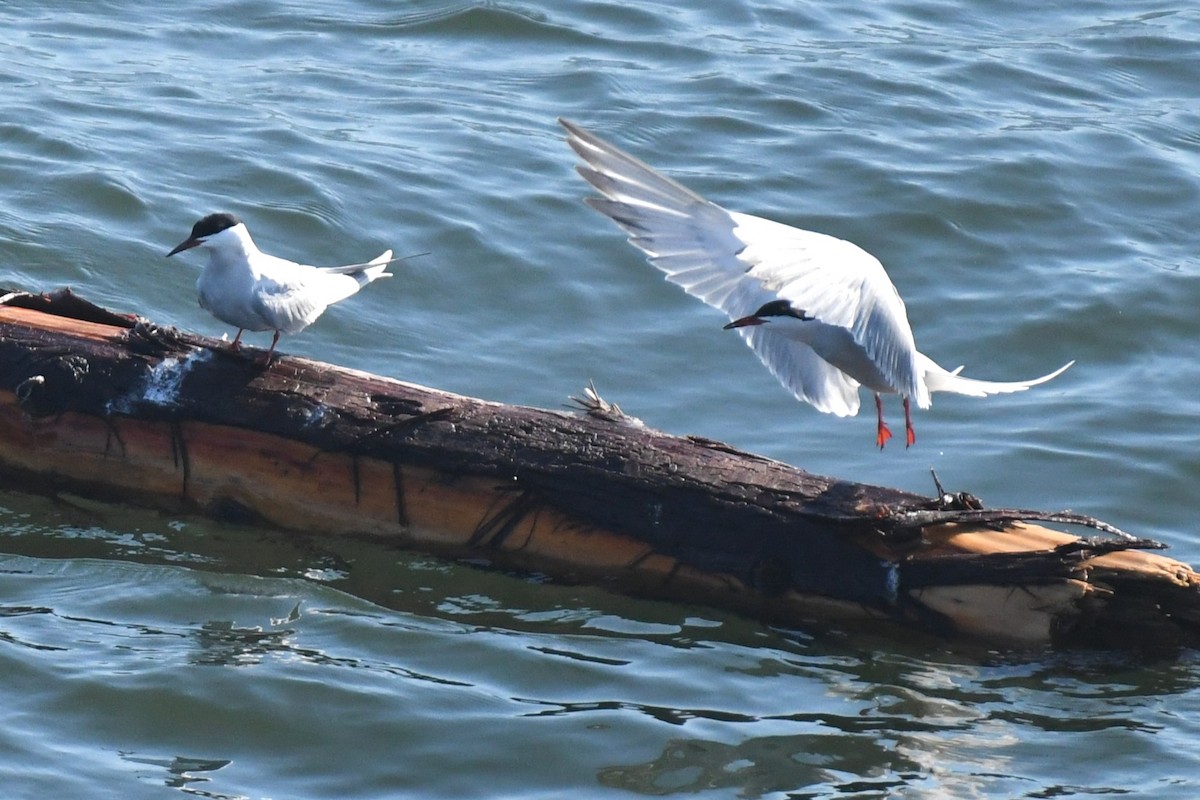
<point x="1027" y="173"/>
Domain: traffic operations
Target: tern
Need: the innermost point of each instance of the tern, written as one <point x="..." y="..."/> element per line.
<point x="254" y="291"/>
<point x="820" y="312"/>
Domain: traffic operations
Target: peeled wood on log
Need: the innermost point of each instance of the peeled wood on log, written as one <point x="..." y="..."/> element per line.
<point x="110" y="406"/>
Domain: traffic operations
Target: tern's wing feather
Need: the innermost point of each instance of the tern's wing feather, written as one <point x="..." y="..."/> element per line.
<point x="292" y="305"/>
<point x="291" y="296"/>
<point x="840" y="284"/>
<point x="737" y="262"/>
<point x="802" y="372"/>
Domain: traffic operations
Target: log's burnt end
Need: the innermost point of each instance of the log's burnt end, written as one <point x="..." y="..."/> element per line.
<point x="762" y="528"/>
<point x="65" y="303"/>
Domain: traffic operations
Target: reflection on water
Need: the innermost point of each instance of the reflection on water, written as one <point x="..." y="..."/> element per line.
<point x="226" y="645"/>
<point x="839" y="765"/>
<point x="181" y="773"/>
<point x="647" y="697"/>
<point x="969" y="731"/>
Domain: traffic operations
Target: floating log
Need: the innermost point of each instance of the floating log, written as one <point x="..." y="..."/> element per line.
<point x="110" y="406"/>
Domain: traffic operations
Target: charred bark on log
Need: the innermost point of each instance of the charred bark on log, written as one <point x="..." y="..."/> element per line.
<point x="593" y="494"/>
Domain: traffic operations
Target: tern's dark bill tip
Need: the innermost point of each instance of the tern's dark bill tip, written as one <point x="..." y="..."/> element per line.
<point x="745" y="322"/>
<point x="187" y="244"/>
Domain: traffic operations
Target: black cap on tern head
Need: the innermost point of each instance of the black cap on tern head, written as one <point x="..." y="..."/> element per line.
<point x="214" y="223"/>
<point x="775" y="308"/>
<point x="207" y="226"/>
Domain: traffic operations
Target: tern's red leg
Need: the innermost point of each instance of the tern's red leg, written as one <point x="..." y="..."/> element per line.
<point x="882" y="433"/>
<point x="910" y="434"/>
<point x="237" y="341"/>
<point x="274" y="341"/>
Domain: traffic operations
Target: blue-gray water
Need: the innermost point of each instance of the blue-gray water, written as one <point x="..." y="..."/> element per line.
<point x="1028" y="172"/>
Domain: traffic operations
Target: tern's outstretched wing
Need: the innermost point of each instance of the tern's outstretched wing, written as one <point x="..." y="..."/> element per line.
<point x="737" y="262"/>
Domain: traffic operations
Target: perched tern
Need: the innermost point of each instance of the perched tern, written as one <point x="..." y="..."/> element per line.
<point x="254" y="291"/>
<point x="820" y="312"/>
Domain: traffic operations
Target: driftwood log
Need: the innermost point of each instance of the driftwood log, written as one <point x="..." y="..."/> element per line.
<point x="110" y="406"/>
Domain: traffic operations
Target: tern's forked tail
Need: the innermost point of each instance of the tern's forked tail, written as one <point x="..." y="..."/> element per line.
<point x="939" y="379"/>
<point x="374" y="269"/>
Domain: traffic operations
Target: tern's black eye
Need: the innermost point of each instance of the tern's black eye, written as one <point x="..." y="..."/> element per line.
<point x="780" y="308"/>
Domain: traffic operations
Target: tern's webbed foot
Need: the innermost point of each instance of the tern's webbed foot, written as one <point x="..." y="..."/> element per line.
<point x="883" y="434"/>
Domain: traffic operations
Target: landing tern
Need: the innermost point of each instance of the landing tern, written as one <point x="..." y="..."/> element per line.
<point x="255" y="291"/>
<point x="820" y="312"/>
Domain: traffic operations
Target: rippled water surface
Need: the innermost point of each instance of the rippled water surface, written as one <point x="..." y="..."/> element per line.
<point x="1027" y="172"/>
